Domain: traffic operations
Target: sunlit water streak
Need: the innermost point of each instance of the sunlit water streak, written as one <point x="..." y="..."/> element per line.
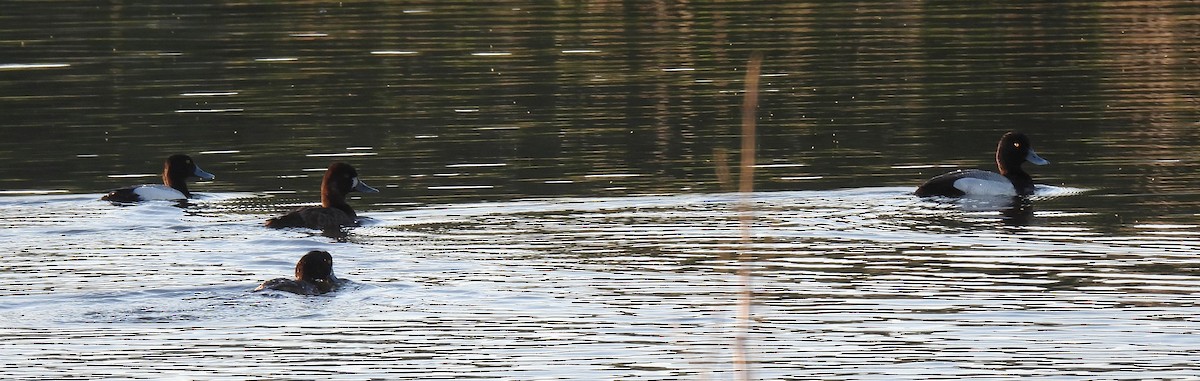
<point x="862" y="283"/>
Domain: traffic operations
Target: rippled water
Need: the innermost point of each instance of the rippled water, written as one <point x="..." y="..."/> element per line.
<point x="861" y="283"/>
<point x="556" y="195"/>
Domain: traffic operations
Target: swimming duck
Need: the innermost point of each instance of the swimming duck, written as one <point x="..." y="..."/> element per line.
<point x="176" y="170"/>
<point x="314" y="276"/>
<point x="340" y="179"/>
<point x="1014" y="149"/>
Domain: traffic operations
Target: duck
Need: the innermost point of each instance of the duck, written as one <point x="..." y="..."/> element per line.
<point x="1013" y="150"/>
<point x="340" y="179"/>
<point x="314" y="276"/>
<point x="176" y="170"/>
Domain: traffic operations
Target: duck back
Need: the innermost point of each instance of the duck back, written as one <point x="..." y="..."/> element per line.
<point x="314" y="217"/>
<point x="290" y="285"/>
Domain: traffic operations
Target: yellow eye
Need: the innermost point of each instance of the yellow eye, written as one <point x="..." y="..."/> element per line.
<point x="1018" y="145"/>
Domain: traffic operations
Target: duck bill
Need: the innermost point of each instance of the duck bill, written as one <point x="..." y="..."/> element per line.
<point x="202" y="174"/>
<point x="1033" y="157"/>
<point x="363" y="187"/>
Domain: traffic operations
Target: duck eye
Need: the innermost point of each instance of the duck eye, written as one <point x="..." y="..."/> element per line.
<point x="1018" y="145"/>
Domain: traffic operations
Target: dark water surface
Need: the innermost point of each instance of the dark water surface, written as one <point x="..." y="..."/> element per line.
<point x="555" y="202"/>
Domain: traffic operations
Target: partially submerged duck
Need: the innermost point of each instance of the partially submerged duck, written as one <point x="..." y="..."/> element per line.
<point x="340" y="179"/>
<point x="1014" y="149"/>
<point x="176" y="170"/>
<point x="314" y="276"/>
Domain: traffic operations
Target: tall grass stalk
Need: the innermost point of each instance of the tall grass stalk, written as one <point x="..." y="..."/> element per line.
<point x="741" y="360"/>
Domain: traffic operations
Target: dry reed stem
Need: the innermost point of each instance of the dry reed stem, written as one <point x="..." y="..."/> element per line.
<point x="741" y="361"/>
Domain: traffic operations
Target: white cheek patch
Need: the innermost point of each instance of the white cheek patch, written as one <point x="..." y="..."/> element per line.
<point x="354" y="184"/>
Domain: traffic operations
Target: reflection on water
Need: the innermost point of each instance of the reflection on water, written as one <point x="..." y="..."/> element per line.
<point x="567" y="96"/>
<point x="552" y="184"/>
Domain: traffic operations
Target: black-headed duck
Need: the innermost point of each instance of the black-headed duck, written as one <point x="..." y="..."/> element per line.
<point x="1014" y="149"/>
<point x="176" y="170"/>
